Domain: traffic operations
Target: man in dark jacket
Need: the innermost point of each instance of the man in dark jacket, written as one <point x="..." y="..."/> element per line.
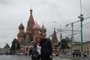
<point x="46" y="47"/>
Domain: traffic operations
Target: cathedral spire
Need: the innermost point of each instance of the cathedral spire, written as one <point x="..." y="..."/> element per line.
<point x="54" y="37"/>
<point x="30" y="24"/>
<point x="31" y="21"/>
<point x="31" y="11"/>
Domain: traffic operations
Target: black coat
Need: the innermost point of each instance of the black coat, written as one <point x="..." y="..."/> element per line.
<point x="33" y="51"/>
<point x="46" y="47"/>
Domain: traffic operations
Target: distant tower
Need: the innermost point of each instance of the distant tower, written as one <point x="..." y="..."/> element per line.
<point x="55" y="43"/>
<point x="21" y="34"/>
<point x="36" y="29"/>
<point x="29" y="29"/>
<point x="54" y="38"/>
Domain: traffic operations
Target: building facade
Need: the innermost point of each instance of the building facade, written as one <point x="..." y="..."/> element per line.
<point x="24" y="37"/>
<point x="86" y="47"/>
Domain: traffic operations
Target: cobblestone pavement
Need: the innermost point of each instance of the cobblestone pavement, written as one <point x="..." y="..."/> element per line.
<point x="18" y="57"/>
<point x="74" y="58"/>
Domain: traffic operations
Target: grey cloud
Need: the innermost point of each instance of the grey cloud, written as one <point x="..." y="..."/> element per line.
<point x="44" y="12"/>
<point x="5" y="2"/>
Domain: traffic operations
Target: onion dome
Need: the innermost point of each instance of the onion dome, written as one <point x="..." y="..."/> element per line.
<point x="36" y="27"/>
<point x="21" y="26"/>
<point x="21" y="34"/>
<point x="43" y="29"/>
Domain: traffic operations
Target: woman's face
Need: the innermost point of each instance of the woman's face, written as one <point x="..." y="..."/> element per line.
<point x="38" y="39"/>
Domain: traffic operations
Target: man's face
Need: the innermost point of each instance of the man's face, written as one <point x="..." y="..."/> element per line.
<point x="43" y="35"/>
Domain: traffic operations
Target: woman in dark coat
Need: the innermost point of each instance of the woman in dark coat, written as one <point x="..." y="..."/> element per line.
<point x="35" y="49"/>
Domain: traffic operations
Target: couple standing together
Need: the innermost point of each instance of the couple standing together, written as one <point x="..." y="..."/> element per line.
<point x="41" y="48"/>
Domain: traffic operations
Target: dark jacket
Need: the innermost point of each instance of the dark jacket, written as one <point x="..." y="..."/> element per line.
<point x="46" y="47"/>
<point x="33" y="51"/>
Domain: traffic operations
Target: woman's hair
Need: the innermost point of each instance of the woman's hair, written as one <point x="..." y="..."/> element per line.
<point x="38" y="37"/>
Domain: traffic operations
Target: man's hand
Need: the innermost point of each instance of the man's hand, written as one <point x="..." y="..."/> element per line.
<point x="51" y="56"/>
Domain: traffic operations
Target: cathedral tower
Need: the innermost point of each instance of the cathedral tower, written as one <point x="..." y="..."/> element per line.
<point x="29" y="29"/>
<point x="21" y="34"/>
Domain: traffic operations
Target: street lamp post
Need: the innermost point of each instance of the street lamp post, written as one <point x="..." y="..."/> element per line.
<point x="81" y="24"/>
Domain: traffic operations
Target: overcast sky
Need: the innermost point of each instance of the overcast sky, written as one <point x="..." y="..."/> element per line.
<point x="13" y="12"/>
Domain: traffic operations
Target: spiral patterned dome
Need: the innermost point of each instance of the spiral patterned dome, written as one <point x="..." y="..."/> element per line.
<point x="36" y="27"/>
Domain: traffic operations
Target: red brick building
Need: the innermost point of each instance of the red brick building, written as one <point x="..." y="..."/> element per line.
<point x="25" y="37"/>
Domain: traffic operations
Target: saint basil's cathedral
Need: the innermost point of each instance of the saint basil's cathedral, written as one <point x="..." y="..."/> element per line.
<point x="32" y="30"/>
